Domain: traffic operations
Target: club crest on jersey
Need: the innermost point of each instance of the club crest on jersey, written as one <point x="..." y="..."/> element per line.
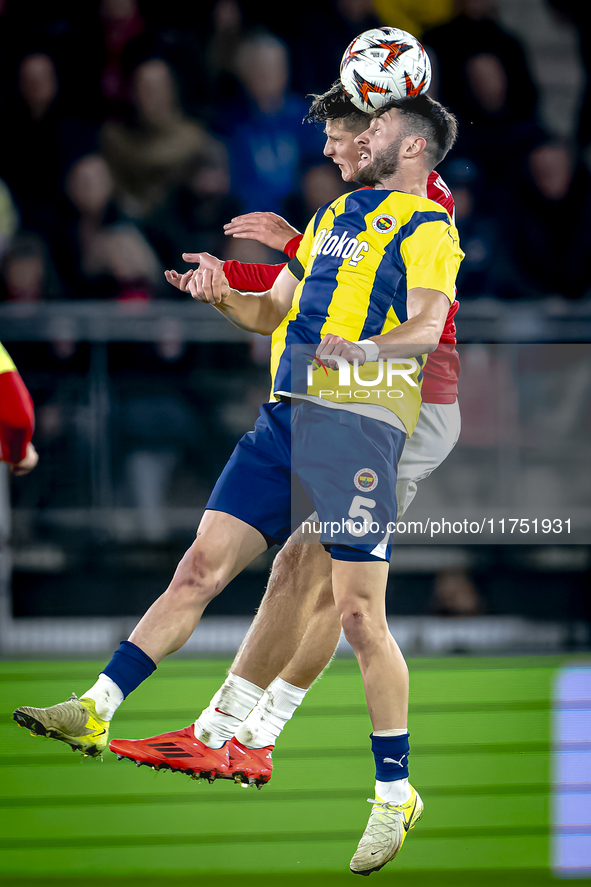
<point x="383" y="224"/>
<point x="366" y="480"/>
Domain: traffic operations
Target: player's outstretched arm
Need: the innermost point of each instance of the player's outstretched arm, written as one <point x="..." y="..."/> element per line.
<point x="245" y="276"/>
<point x="267" y="228"/>
<point x="256" y="312"/>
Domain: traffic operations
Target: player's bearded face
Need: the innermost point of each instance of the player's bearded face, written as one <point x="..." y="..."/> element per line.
<point x="385" y="163"/>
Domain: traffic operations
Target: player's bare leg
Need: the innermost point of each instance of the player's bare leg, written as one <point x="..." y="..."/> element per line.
<point x="298" y="598"/>
<point x="319" y="642"/>
<point x="359" y="591"/>
<point x="224" y="546"/>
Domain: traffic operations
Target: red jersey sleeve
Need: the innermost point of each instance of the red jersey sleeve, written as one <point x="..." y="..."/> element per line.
<point x="251" y="278"/>
<point x="258" y="278"/>
<point x="17" y="418"/>
<point x="442" y="370"/>
<point x="291" y="247"/>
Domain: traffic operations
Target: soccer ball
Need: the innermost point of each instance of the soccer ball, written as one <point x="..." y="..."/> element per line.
<point x="384" y="64"/>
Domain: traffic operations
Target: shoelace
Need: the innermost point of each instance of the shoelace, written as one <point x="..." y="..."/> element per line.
<point x="384" y="804"/>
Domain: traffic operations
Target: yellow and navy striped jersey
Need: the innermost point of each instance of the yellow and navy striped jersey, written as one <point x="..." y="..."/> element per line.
<point x="357" y="260"/>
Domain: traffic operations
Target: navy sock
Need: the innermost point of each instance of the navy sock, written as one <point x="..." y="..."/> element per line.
<point x="129" y="667"/>
<point x="391" y="756"/>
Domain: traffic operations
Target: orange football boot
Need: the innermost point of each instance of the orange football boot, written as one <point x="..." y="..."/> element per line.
<point x="250" y="766"/>
<point x="179" y="751"/>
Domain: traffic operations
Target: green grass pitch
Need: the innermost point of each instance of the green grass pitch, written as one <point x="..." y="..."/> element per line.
<point x="480" y="741"/>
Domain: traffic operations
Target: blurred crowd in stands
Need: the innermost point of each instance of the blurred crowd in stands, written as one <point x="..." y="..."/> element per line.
<point x="133" y="130"/>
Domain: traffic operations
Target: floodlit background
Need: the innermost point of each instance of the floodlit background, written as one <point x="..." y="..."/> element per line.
<point x="133" y="131"/>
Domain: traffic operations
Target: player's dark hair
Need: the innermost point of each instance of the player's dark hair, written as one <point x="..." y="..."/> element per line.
<point x="335" y="104"/>
<point x="425" y="117"/>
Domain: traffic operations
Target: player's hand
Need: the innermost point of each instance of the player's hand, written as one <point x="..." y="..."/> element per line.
<point x="340" y="347"/>
<point x="209" y="284"/>
<point x="28" y="463"/>
<point x="204" y="260"/>
<point x="267" y="228"/>
<point x="180" y="281"/>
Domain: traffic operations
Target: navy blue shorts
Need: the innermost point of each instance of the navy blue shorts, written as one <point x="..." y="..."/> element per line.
<point x="303" y="458"/>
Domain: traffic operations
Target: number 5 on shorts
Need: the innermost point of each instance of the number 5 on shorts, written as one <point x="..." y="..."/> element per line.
<point x="362" y="517"/>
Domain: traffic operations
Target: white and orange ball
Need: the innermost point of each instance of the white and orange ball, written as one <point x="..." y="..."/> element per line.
<point x="384" y="64"/>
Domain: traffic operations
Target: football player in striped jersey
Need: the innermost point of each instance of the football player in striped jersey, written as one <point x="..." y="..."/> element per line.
<point x="390" y="742"/>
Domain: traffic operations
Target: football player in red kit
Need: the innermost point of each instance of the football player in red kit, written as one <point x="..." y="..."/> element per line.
<point x="17" y="419"/>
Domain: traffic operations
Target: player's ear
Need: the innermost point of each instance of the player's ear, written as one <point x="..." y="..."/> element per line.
<point x="415" y="147"/>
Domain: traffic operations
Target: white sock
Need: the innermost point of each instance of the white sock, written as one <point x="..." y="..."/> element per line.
<point x="395" y="731"/>
<point x="397" y="792"/>
<point x="226" y="711"/>
<point x="106" y="695"/>
<point x="270" y="715"/>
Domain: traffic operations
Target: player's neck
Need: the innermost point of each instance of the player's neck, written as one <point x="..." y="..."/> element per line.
<point x="412" y="182"/>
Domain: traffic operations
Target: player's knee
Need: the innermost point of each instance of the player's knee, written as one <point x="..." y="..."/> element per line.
<point x="197" y="579"/>
<point x="355" y="624"/>
<point x="360" y="628"/>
